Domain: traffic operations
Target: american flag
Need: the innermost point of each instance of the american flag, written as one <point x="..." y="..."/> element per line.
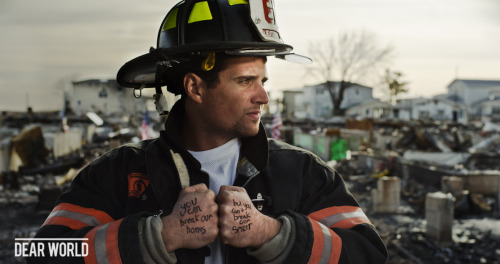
<point x="276" y="125"/>
<point x="145" y="127"/>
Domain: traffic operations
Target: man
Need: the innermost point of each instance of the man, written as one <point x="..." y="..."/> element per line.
<point x="212" y="188"/>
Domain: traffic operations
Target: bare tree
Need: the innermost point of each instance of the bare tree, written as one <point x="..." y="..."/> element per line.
<point x="348" y="57"/>
<point x="392" y="80"/>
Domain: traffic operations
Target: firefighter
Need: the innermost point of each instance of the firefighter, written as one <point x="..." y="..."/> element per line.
<point x="213" y="188"/>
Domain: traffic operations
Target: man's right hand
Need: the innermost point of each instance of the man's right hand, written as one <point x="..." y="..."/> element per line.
<point x="193" y="221"/>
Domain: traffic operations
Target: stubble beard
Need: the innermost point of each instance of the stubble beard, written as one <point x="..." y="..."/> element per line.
<point x="246" y="129"/>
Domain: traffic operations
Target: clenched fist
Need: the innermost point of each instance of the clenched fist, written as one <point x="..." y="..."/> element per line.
<point x="193" y="221"/>
<point x="240" y="223"/>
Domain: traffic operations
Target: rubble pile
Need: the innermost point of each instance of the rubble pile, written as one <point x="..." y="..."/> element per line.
<point x="39" y="157"/>
<point x="459" y="161"/>
<point x="416" y="159"/>
<point x="407" y="242"/>
<point x="476" y="237"/>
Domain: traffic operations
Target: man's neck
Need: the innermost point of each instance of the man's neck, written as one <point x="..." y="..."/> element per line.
<point x="197" y="138"/>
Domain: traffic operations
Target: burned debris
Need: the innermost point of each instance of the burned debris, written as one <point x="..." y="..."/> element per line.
<point x="39" y="157"/>
<point x="431" y="189"/>
<point x="405" y="175"/>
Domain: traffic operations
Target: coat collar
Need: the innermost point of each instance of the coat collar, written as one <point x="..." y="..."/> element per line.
<point x="253" y="149"/>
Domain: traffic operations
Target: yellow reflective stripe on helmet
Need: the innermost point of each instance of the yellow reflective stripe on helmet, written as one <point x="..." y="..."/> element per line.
<point x="238" y="2"/>
<point x="200" y="12"/>
<point x="171" y="21"/>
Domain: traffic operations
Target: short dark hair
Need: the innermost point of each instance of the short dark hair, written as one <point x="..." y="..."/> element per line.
<point x="175" y="76"/>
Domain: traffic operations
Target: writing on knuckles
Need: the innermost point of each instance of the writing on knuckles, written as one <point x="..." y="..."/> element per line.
<point x="197" y="220"/>
<point x="236" y="217"/>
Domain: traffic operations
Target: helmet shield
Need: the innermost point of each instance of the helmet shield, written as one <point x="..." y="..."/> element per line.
<point x="237" y="27"/>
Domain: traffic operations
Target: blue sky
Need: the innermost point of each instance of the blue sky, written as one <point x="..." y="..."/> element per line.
<point x="46" y="44"/>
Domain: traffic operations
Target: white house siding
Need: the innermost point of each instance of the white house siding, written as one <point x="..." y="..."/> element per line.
<point x="438" y="110"/>
<point x="356" y="94"/>
<point x="404" y="114"/>
<point x="101" y="96"/>
<point x="292" y="106"/>
<point x="317" y="99"/>
<point x="472" y="93"/>
<point x="373" y="108"/>
<point x="491" y="108"/>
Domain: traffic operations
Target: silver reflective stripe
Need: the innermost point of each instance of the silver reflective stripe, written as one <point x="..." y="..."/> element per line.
<point x="181" y="169"/>
<point x="100" y="244"/>
<point x="87" y="219"/>
<point x="327" y="245"/>
<point x="333" y="219"/>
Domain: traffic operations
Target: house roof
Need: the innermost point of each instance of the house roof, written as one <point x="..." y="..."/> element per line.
<point x="296" y="90"/>
<point x="490" y="100"/>
<point x="409" y="102"/>
<point x="477" y="83"/>
<point x="444" y="101"/>
<point x="370" y="102"/>
<point x="97" y="82"/>
<point x="336" y="84"/>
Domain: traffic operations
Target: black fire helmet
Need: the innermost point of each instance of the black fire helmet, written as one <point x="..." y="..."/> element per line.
<point x="204" y="28"/>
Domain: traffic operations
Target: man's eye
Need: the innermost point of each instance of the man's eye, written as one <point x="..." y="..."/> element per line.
<point x="245" y="81"/>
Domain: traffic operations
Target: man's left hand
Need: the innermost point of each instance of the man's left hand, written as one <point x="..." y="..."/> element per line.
<point x="240" y="223"/>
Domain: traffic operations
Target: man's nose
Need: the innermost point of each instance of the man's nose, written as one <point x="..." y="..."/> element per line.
<point x="261" y="96"/>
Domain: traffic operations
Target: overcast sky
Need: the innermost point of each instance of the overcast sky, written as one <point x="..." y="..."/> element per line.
<point x="46" y="44"/>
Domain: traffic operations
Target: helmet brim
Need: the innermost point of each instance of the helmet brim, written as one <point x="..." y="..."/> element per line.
<point x="140" y="72"/>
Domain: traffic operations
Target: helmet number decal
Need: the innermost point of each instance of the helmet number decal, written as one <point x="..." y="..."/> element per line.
<point x="269" y="11"/>
<point x="263" y="16"/>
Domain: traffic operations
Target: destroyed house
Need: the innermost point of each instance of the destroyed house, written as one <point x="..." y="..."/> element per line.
<point x="316" y="102"/>
<point x="472" y="93"/>
<point x="372" y="108"/>
<point x="439" y="109"/>
<point x="490" y="107"/>
<point x="293" y="105"/>
<point x="101" y="96"/>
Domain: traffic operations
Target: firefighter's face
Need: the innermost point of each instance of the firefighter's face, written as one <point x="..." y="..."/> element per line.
<point x="233" y="107"/>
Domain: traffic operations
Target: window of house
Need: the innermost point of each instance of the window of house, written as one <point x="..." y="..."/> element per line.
<point x="440" y="114"/>
<point x="423" y="114"/>
<point x="307" y="107"/>
<point x="103" y="93"/>
<point x="495" y="110"/>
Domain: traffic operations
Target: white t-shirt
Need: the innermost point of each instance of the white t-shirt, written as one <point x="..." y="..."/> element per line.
<point x="220" y="163"/>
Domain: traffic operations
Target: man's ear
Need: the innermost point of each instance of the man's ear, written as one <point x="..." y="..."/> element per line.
<point x="194" y="87"/>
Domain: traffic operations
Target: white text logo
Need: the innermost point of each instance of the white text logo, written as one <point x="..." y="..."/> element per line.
<point x="51" y="247"/>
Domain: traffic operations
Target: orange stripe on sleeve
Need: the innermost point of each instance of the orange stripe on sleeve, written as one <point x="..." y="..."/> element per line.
<point x="112" y="242"/>
<point x="336" y="248"/>
<point x="101" y="216"/>
<point x="317" y="248"/>
<point x="91" y="257"/>
<point x="351" y="222"/>
<point x="60" y="220"/>
<point x="318" y="215"/>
